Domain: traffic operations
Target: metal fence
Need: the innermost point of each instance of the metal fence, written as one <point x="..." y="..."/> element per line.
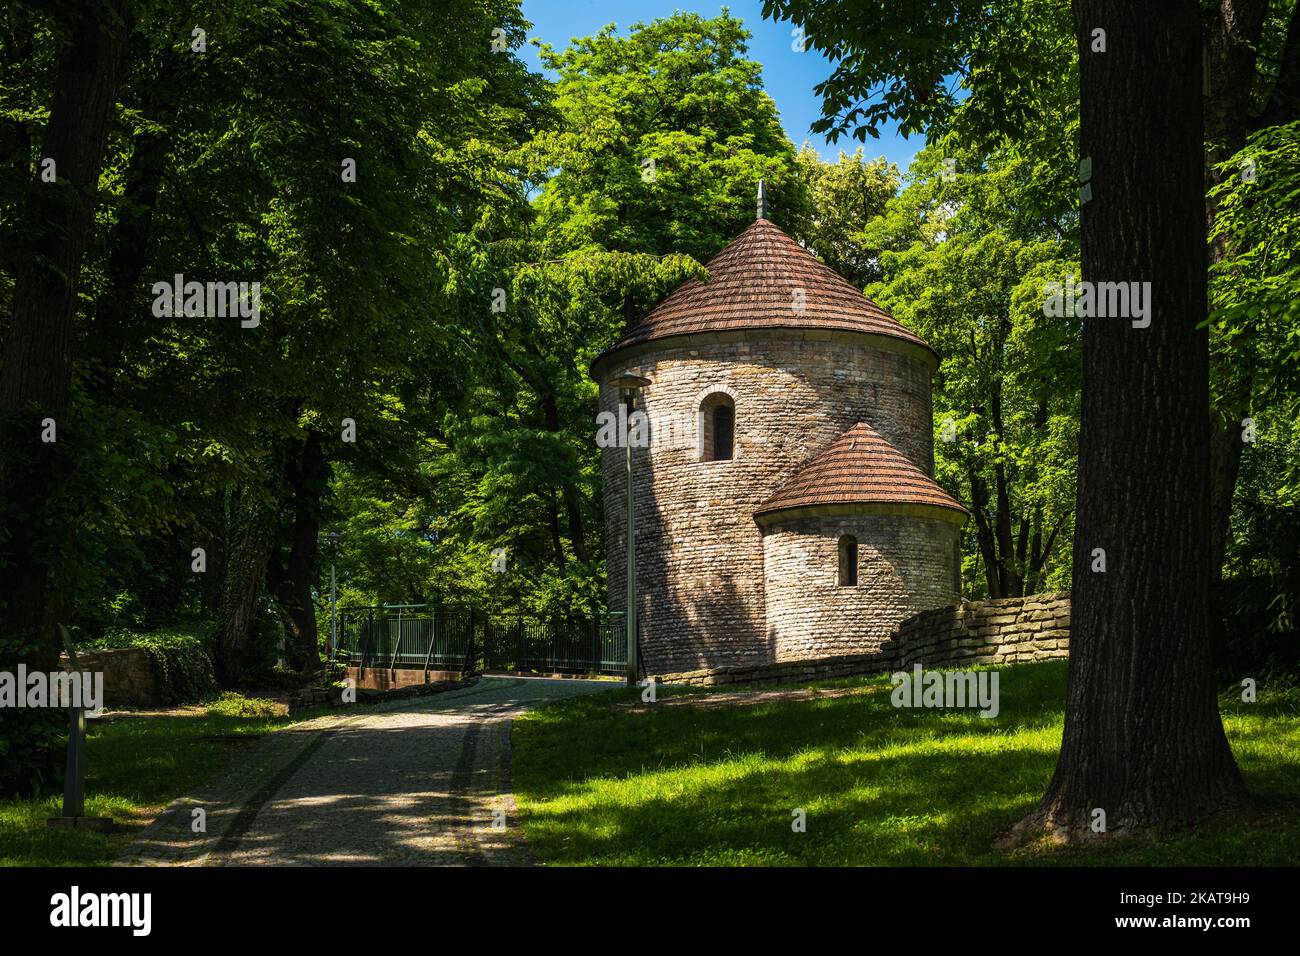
<point x="425" y="637"/>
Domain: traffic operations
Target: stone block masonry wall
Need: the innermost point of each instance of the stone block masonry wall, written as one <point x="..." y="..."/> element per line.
<point x="382" y="678"/>
<point x="784" y="672"/>
<point x="129" y="677"/>
<point x="699" y="550"/>
<point x="1004" y="631"/>
<point x="905" y="565"/>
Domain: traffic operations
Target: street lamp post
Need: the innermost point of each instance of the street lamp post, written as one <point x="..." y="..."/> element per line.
<point x="333" y="538"/>
<point x="628" y="386"/>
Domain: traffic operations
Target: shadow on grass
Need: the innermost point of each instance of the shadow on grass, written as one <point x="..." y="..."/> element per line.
<point x="133" y="768"/>
<point x="878" y="785"/>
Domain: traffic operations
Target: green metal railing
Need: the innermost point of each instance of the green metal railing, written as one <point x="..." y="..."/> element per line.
<point x="423" y="636"/>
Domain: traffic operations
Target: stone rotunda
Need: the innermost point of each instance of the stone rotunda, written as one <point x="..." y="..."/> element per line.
<point x="785" y="504"/>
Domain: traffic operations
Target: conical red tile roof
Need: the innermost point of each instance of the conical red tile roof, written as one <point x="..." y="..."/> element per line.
<point x="751" y="285"/>
<point x="859" y="467"/>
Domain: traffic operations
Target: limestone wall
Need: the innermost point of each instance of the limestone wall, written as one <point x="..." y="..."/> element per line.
<point x="1004" y="631"/>
<point x="906" y="564"/>
<point x="782" y="672"/>
<point x="699" y="550"/>
<point x="129" y="677"/>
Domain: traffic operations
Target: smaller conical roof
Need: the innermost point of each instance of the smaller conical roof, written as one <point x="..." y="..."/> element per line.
<point x="859" y="467"/>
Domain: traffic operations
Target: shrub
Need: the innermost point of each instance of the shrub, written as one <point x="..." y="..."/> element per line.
<point x="230" y="704"/>
<point x="181" y="664"/>
<point x="32" y="740"/>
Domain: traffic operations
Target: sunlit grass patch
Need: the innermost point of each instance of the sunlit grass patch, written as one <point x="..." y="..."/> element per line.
<point x="601" y="784"/>
<point x="135" y="766"/>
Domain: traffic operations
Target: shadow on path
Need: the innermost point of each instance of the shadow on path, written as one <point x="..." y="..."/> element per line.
<point x="423" y="784"/>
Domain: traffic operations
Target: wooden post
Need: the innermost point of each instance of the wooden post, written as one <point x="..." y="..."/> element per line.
<point x="74" y="783"/>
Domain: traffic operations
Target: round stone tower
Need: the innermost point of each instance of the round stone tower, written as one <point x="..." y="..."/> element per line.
<point x="785" y="507"/>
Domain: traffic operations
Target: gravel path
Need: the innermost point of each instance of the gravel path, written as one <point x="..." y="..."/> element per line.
<point x="425" y="782"/>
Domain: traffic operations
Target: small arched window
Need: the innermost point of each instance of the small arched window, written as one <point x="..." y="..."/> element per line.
<point x="717" y="427"/>
<point x="848" y="561"/>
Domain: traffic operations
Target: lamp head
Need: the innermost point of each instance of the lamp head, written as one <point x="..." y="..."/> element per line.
<point x="630" y="383"/>
<point x="628" y="386"/>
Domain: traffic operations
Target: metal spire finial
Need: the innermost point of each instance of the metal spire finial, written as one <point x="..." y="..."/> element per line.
<point x="762" y="200"/>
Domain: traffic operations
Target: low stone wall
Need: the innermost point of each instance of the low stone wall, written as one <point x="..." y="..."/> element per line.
<point x="370" y="691"/>
<point x="1002" y="631"/>
<point x="781" y="672"/>
<point x="129" y="677"/>
<point x="383" y="678"/>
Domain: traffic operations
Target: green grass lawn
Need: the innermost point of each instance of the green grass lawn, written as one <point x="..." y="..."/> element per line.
<point x="600" y="782"/>
<point x="135" y="766"/>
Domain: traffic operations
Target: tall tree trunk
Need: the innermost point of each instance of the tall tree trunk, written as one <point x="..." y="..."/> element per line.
<point x="37" y="360"/>
<point x="979" y="498"/>
<point x="572" y="503"/>
<point x="1143" y="739"/>
<point x="116" y="312"/>
<point x="36" y="370"/>
<point x="1283" y="104"/>
<point x="250" y="537"/>
<point x="1041" y="552"/>
<point x="1232" y="36"/>
<point x="308" y="475"/>
<point x="553" y="522"/>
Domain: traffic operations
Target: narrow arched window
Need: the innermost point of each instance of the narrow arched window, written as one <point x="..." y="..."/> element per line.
<point x="717" y="427"/>
<point x="848" y="561"/>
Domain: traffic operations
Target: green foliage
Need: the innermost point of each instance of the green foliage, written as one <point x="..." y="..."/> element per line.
<point x="227" y="165"/>
<point x="182" y="664"/>
<point x="1255" y="337"/>
<point x="32" y="745"/>
<point x="1256" y="319"/>
<point x="231" y="704"/>
<point x="983" y="72"/>
<point x="965" y="265"/>
<point x="678" y="93"/>
<point x="1261" y="593"/>
<point x="509" y="459"/>
<point x="846" y="197"/>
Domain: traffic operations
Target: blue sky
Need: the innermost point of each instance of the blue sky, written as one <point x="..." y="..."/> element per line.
<point x="789" y="77"/>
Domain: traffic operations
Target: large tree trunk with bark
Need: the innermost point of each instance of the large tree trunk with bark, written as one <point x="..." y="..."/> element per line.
<point x="36" y="370"/>
<point x="37" y="356"/>
<point x="250" y="537"/>
<point x="118" y="315"/>
<point x="1143" y="739"/>
<point x="307" y="476"/>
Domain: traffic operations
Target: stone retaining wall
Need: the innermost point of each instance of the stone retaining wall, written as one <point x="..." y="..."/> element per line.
<point x="382" y="678"/>
<point x="1003" y="631"/>
<point x="129" y="677"/>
